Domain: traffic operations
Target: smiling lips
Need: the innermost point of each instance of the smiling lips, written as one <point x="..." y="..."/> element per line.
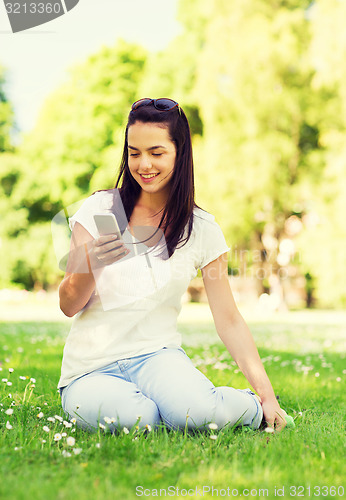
<point x="148" y="177"/>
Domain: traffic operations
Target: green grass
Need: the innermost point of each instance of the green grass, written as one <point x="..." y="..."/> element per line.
<point x="293" y="349"/>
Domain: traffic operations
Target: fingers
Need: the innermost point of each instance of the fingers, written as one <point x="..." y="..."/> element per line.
<point x="279" y="427"/>
<point x="111" y="255"/>
<point x="107" y="238"/>
<point x="270" y="423"/>
<point x="108" y="249"/>
<point x="277" y="422"/>
<point x="280" y="420"/>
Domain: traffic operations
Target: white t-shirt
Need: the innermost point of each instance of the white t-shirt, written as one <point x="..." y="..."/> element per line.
<point x="137" y="300"/>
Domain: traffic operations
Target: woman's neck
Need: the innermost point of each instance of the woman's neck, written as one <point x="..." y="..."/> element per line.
<point x="152" y="203"/>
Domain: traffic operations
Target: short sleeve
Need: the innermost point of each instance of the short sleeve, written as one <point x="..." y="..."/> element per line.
<point x="101" y="202"/>
<point x="212" y="242"/>
<point x="84" y="215"/>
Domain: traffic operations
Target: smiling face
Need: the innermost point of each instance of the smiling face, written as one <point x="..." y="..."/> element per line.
<point x="151" y="158"/>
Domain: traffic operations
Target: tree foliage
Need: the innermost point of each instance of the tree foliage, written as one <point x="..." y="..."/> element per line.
<point x="73" y="149"/>
<point x="263" y="85"/>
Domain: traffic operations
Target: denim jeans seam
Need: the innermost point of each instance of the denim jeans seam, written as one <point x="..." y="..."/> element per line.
<point x="252" y="421"/>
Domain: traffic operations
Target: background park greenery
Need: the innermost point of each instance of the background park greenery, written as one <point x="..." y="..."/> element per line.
<point x="263" y="83"/>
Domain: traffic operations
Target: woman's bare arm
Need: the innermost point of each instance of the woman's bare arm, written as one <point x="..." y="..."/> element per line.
<point x="237" y="338"/>
<point x="78" y="284"/>
<point x="87" y="257"/>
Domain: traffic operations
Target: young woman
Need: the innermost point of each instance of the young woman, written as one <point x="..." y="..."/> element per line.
<point x="123" y="362"/>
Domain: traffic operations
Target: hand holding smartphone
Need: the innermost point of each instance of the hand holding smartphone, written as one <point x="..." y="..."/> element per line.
<point x="107" y="224"/>
<point x="108" y="248"/>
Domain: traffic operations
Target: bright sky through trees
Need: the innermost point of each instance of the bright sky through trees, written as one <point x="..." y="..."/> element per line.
<point x="37" y="59"/>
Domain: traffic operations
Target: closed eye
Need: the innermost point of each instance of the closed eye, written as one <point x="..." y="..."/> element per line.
<point x="154" y="154"/>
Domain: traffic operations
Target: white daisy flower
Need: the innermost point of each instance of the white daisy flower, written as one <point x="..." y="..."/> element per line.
<point x="46" y="428"/>
<point x="77" y="451"/>
<point x="66" y="453"/>
<point x="102" y="426"/>
<point x="57" y="436"/>
<point x="213" y="426"/>
<point x="58" y="418"/>
<point x="8" y="425"/>
<point x="70" y="441"/>
<point x="40" y="415"/>
<point x="51" y="419"/>
<point x="270" y="430"/>
<point x="33" y="380"/>
<point x="9" y="411"/>
<point x="125" y="430"/>
<point x="213" y="436"/>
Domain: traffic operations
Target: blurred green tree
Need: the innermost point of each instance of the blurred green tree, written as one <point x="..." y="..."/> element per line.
<point x="263" y="85"/>
<point x="6" y="116"/>
<point x="261" y="119"/>
<point x="322" y="243"/>
<point x="74" y="149"/>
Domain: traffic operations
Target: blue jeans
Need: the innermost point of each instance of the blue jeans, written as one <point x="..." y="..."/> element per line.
<point x="160" y="387"/>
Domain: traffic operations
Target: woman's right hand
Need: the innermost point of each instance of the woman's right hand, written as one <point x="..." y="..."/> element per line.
<point x="106" y="250"/>
<point x="86" y="259"/>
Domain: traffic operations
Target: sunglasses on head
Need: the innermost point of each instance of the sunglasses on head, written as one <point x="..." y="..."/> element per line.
<point x="162" y="104"/>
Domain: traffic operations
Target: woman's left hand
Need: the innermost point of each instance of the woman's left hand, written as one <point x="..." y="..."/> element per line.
<point x="273" y="414"/>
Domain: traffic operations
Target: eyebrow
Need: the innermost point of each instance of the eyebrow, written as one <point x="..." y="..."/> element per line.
<point x="149" y="149"/>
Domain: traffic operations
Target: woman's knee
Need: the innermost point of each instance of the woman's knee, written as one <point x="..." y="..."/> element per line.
<point x="112" y="403"/>
<point x="219" y="405"/>
<point x="191" y="411"/>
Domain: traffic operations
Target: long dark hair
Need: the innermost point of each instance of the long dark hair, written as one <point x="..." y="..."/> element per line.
<point x="178" y="212"/>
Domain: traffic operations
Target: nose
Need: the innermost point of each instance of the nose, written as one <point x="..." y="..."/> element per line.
<point x="145" y="163"/>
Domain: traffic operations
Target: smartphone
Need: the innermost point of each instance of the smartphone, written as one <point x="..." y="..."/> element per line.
<point x="107" y="224"/>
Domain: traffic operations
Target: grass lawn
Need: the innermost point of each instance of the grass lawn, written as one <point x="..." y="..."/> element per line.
<point x="303" y="353"/>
